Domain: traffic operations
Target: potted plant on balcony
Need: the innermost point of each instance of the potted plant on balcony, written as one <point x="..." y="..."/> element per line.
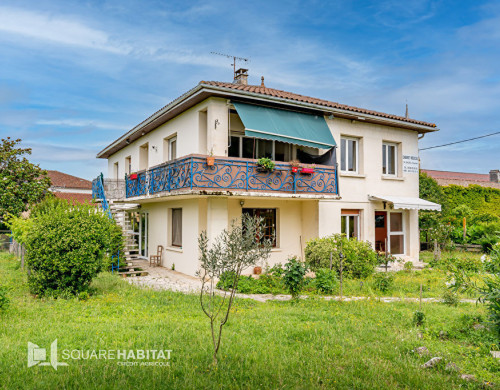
<point x="210" y="158"/>
<point x="133" y="176"/>
<point x="265" y="164"/>
<point x="295" y="164"/>
<point x="307" y="170"/>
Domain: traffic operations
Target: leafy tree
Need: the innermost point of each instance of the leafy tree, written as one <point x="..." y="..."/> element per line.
<point x="430" y="190"/>
<point x="231" y="252"/>
<point x="21" y="182"/>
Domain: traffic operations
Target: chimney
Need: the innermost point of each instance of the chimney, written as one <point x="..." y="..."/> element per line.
<point x="241" y="76"/>
<point x="495" y="175"/>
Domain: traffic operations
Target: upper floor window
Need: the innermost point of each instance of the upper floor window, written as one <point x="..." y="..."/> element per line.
<point x="170" y="148"/>
<point x="246" y="147"/>
<point x="349" y="154"/>
<point x="128" y="165"/>
<point x="389" y="159"/>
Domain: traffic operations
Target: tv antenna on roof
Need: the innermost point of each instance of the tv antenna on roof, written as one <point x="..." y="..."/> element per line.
<point x="246" y="60"/>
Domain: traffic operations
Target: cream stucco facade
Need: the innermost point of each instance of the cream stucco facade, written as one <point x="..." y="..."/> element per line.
<point x="205" y="128"/>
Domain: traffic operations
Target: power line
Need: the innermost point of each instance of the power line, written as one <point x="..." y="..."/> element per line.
<point x="459" y="142"/>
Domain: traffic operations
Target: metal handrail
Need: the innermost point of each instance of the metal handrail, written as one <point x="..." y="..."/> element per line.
<point x="193" y="172"/>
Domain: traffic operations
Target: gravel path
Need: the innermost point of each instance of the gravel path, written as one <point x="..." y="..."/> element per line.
<point x="160" y="278"/>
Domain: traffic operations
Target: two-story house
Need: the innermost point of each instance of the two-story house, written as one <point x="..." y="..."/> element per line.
<point x="192" y="167"/>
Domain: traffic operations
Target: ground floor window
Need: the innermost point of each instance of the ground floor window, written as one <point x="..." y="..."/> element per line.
<point x="350" y="223"/>
<point x="269" y="217"/>
<point x="176" y="227"/>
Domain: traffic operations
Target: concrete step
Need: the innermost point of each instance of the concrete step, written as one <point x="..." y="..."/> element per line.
<point x="136" y="273"/>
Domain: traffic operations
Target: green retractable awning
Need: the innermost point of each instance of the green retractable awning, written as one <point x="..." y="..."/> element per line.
<point x="286" y="126"/>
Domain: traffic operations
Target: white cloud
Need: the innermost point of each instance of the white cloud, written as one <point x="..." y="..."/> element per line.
<point x="57" y="29"/>
<point x="82" y="123"/>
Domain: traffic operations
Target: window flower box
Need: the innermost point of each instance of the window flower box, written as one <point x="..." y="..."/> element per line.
<point x="295" y="169"/>
<point x="307" y="171"/>
<point x="133" y="176"/>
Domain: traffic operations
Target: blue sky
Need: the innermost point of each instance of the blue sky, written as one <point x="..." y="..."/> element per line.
<point x="75" y="75"/>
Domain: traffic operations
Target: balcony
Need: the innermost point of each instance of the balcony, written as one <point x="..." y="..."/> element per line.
<point x="192" y="174"/>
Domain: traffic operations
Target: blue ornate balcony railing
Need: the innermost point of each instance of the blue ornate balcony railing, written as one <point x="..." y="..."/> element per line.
<point x="98" y="193"/>
<point x="192" y="172"/>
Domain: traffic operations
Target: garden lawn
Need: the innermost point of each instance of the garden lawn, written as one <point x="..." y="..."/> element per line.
<point x="305" y="344"/>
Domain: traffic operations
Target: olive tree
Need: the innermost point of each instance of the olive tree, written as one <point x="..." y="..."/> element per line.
<point x="231" y="252"/>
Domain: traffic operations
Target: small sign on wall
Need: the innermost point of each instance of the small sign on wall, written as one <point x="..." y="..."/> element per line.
<point x="410" y="164"/>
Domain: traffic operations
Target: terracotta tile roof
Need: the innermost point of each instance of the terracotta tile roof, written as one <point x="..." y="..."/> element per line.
<point x="457" y="175"/>
<point x="74" y="197"/>
<point x="306" y="99"/>
<point x="463" y="179"/>
<point x="60" y="179"/>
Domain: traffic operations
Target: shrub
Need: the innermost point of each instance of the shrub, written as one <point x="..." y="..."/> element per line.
<point x="326" y="280"/>
<point x="4" y="299"/>
<point x="66" y="247"/>
<point x="450" y="298"/>
<point x="383" y="281"/>
<point x="418" y="318"/>
<point x="293" y="276"/>
<point x="408" y="266"/>
<point x="359" y="262"/>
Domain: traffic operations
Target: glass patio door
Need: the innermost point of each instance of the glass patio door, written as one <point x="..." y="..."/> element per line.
<point x="396" y="233"/>
<point x="143" y="234"/>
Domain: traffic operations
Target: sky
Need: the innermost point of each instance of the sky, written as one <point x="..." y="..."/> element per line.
<point x="75" y="75"/>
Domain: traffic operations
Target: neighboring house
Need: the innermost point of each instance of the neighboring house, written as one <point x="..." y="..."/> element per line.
<point x="70" y="187"/>
<point x="463" y="179"/>
<point x="364" y="181"/>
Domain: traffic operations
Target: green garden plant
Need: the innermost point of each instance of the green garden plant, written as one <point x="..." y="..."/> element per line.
<point x="326" y="280"/>
<point x="418" y="318"/>
<point x="293" y="277"/>
<point x="383" y="281"/>
<point x="67" y="246"/>
<point x="231" y="252"/>
<point x="359" y="262"/>
<point x="4" y="299"/>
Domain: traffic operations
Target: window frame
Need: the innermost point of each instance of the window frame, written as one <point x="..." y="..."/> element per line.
<point x="240" y="146"/>
<point x="346" y="151"/>
<point x="256" y="212"/>
<point x="128" y="165"/>
<point x="401" y="232"/>
<point x="357" y="230"/>
<point x="174" y="243"/>
<point x="385" y="160"/>
<point x="171" y="142"/>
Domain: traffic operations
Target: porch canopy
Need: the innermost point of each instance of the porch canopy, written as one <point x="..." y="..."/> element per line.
<point x="402" y="202"/>
<point x="285" y="126"/>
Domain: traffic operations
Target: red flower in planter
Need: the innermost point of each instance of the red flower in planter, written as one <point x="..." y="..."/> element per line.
<point x="307" y="171"/>
<point x="133" y="176"/>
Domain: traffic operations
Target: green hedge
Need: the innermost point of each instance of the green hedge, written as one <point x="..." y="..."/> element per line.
<point x="67" y="246"/>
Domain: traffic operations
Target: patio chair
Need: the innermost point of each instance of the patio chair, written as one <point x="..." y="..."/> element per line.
<point x="156" y="260"/>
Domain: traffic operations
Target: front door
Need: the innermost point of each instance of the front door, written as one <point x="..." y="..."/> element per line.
<point x="380" y="231"/>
